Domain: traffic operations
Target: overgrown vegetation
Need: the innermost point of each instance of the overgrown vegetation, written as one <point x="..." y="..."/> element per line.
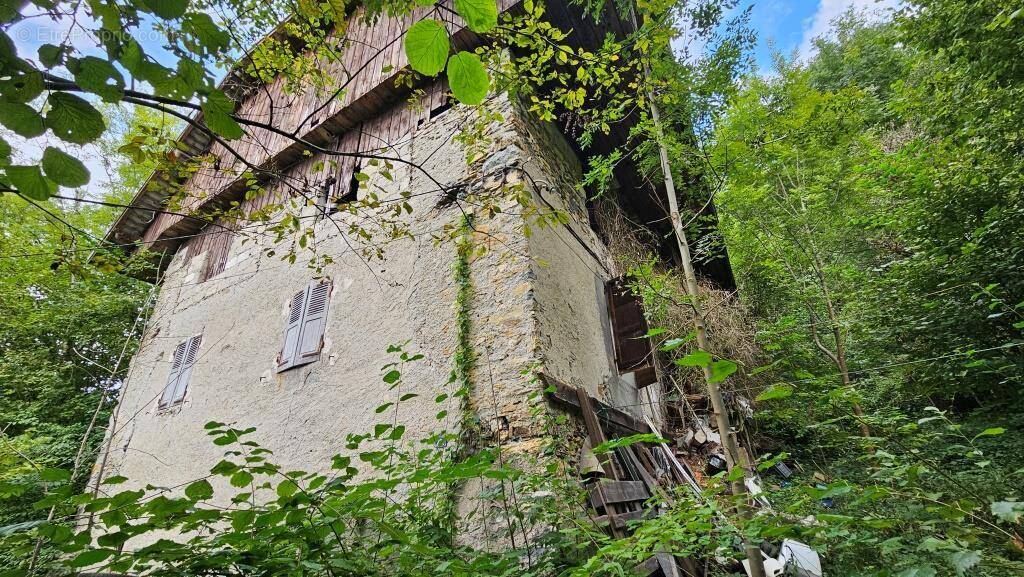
<point x="870" y="199"/>
<point x="873" y="215"/>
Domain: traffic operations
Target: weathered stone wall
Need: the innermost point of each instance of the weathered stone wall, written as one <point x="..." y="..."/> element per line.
<point x="571" y="265"/>
<point x="537" y="303"/>
<point x="303" y="414"/>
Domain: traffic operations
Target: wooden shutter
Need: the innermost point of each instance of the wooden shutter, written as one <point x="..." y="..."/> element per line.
<point x="311" y="337"/>
<point x="185" y="355"/>
<point x="191" y="354"/>
<point x="304" y="335"/>
<point x="167" y="397"/>
<point x="633" y="351"/>
<point x="291" y="331"/>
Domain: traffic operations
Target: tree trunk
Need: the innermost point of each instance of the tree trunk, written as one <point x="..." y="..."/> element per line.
<point x="839" y="357"/>
<point x="732" y="453"/>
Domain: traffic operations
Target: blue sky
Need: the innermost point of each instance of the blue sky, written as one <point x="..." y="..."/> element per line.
<point x="791" y="25"/>
<point x="31" y="33"/>
<point x="785" y="25"/>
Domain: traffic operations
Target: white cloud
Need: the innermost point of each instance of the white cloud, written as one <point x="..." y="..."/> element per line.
<point x="828" y="10"/>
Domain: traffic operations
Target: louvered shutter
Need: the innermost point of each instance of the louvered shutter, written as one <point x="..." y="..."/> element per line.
<point x="633" y="351"/>
<point x="167" y="397"/>
<point x="313" y="322"/>
<point x="191" y="354"/>
<point x="291" y="332"/>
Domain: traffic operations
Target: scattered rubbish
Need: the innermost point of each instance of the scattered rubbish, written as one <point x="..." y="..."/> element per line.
<point x="744" y="407"/>
<point x="827" y="502"/>
<point x="686" y="441"/>
<point x="756" y="493"/>
<point x="782" y="470"/>
<point x="794" y="559"/>
<point x="772" y="567"/>
<point x="799" y="559"/>
<point x="716" y="464"/>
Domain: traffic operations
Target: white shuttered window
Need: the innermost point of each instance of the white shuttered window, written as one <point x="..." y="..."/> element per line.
<point x="304" y="333"/>
<point x="184" y="357"/>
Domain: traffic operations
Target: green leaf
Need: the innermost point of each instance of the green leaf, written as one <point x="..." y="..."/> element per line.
<point x="91" y="557"/>
<point x="166" y="9"/>
<point x="55" y="532"/>
<point x="962" y="561"/>
<point x="776" y="391"/>
<point x="468" y="78"/>
<point x="217" y="111"/>
<point x="199" y="490"/>
<point x="287" y="489"/>
<point x="73" y="119"/>
<point x="49" y="55"/>
<point x="115" y="480"/>
<point x="192" y="73"/>
<point x="832" y="490"/>
<point x="98" y="76"/>
<point x="240" y="520"/>
<point x="480" y="15"/>
<point x="990" y="432"/>
<point x="675" y="343"/>
<point x="22" y="87"/>
<point x="735" y="474"/>
<point x="695" y="359"/>
<point x="29" y="181"/>
<point x="112" y="539"/>
<point x="427" y="47"/>
<point x="720" y="370"/>
<point x="205" y="36"/>
<point x="132" y="57"/>
<point x="392" y="377"/>
<point x="241" y="479"/>
<point x="224" y="468"/>
<point x="22" y="119"/>
<point x="62" y="168"/>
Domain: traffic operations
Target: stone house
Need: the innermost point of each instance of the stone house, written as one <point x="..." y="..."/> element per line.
<point x="239" y="335"/>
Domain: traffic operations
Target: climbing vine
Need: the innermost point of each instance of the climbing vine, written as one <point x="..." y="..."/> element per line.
<point x="465" y="357"/>
<point x="464" y="360"/>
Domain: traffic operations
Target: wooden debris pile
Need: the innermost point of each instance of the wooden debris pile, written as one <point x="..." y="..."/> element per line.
<point x="620" y="481"/>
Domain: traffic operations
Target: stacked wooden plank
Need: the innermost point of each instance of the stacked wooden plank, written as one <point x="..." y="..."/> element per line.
<point x="633" y="480"/>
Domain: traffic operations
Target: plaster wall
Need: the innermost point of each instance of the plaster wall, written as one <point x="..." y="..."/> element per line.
<point x="537" y="303"/>
<point x="305" y="413"/>
<point x="570" y="267"/>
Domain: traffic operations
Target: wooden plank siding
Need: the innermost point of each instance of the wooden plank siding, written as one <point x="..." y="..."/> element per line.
<point x="369" y="46"/>
<point x="370" y="61"/>
<point x="311" y="173"/>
